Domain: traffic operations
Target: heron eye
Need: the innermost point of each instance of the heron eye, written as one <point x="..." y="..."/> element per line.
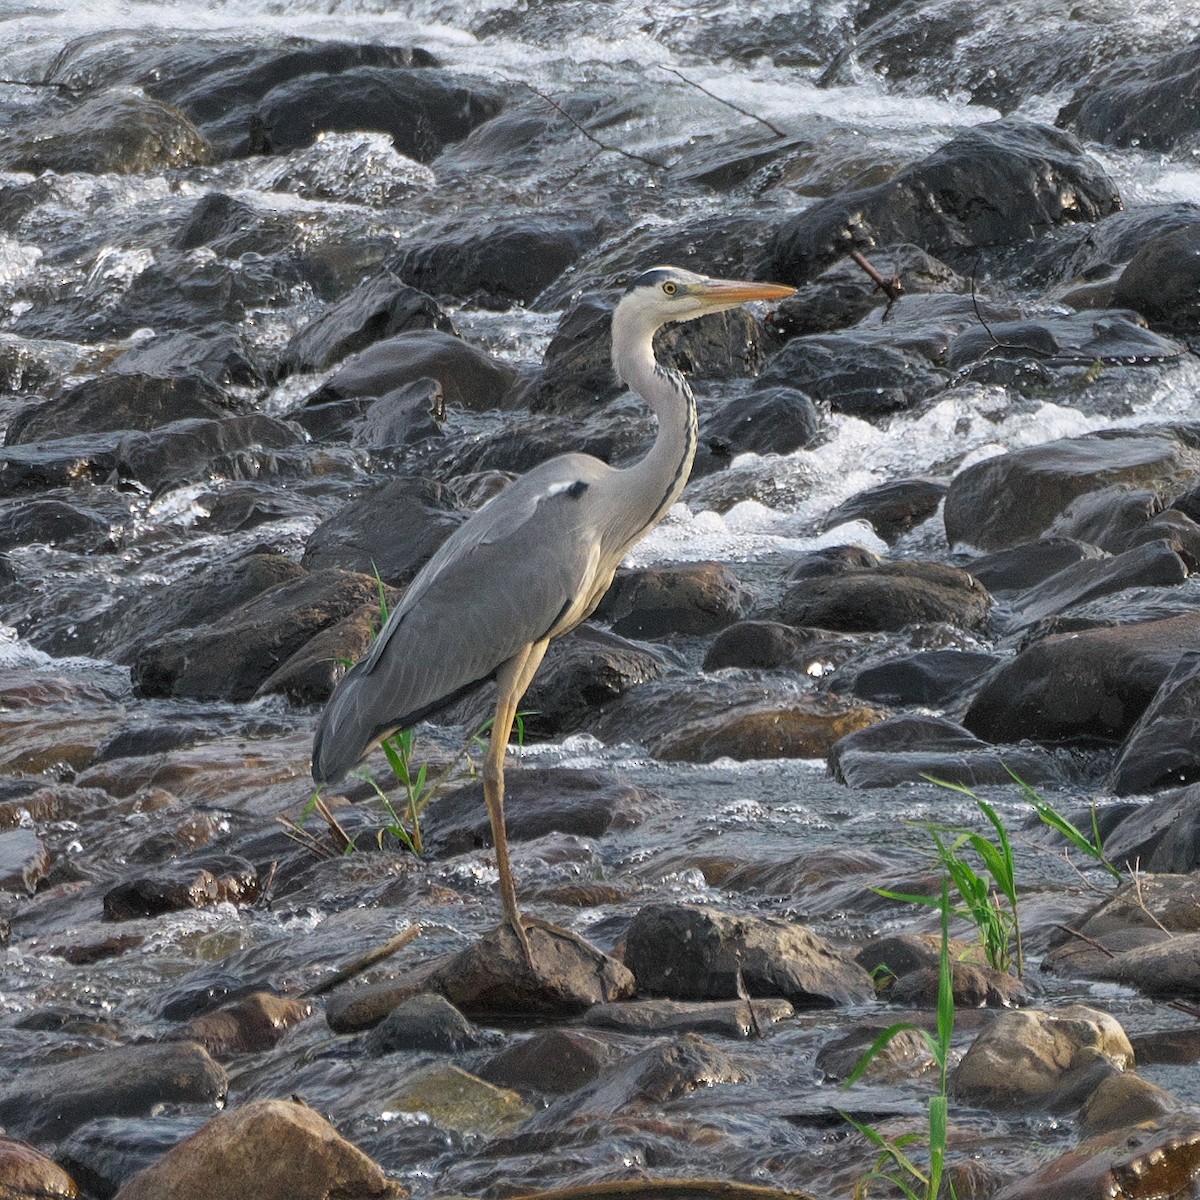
<point x="670" y="288"/>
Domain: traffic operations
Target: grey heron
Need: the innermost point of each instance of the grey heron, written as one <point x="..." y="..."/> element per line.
<point x="529" y="565"/>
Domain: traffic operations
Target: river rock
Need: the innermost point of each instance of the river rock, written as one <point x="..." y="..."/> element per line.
<point x="1158" y="1158"/>
<point x="906" y="1055"/>
<point x="766" y="645"/>
<point x="1107" y="517"/>
<point x="891" y="509"/>
<point x="775" y="420"/>
<point x="537" y="801"/>
<point x="54" y="522"/>
<point x="858" y="373"/>
<point x="1010" y="573"/>
<point x="692" y="952"/>
<point x="1162" y="837"/>
<point x="24" y="860"/>
<point x="427" y="1022"/>
<point x="512" y="263"/>
<point x="648" y="1079"/>
<point x="118" y="132"/>
<point x="469" y="378"/>
<point x="401" y="417"/>
<point x="1177" y="1046"/>
<point x="687" y="598"/>
<point x="1015" y="497"/>
<point x="233" y="657"/>
<point x="889" y="596"/>
<point x="725" y="1018"/>
<point x="1026" y="1058"/>
<point x="1167" y="969"/>
<point x="25" y="1174"/>
<point x="552" y="1061"/>
<point x="1095" y="682"/>
<point x="102" y="1154"/>
<point x="988" y="186"/>
<point x="290" y="1151"/>
<point x="310" y="674"/>
<point x="927" y="677"/>
<point x="247" y="1026"/>
<point x="378" y="309"/>
<point x="972" y="985"/>
<point x="393" y="528"/>
<point x="1153" y="564"/>
<point x="1161" y="749"/>
<point x="47" y="1102"/>
<point x="1124" y="1100"/>
<point x="184" y="885"/>
<point x="455" y="1100"/>
<point x="1161" y="280"/>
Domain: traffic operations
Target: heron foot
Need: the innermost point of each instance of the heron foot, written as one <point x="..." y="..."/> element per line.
<point x="518" y="927"/>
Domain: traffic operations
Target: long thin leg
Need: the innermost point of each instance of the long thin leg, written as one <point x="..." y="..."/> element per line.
<point x="512" y="680"/>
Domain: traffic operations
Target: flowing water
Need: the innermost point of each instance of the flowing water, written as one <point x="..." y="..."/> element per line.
<point x="90" y="237"/>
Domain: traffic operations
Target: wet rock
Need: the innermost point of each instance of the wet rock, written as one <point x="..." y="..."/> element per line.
<point x="577" y="368"/>
<point x="928" y="677"/>
<point x="1162" y="837"/>
<point x="512" y="263"/>
<point x="53" y="522"/>
<point x="62" y="462"/>
<point x="204" y="596"/>
<point x="233" y="657"/>
<point x="687" y="598"/>
<point x="24" y="860"/>
<point x="1161" y="280"/>
<point x="454" y="1099"/>
<point x="1124" y="1100"/>
<point x="552" y="1061"/>
<point x="1167" y="969"/>
<point x="103" y="1154"/>
<point x="908" y="748"/>
<point x="218" y="355"/>
<point x="1161" y="749"/>
<point x="766" y="645"/>
<point x="537" y="801"/>
<point x="725" y="1018"/>
<point x="25" y="1174"/>
<point x="989" y="186"/>
<point x="1161" y="1158"/>
<point x="1153" y="564"/>
<point x="1179" y="1046"/>
<point x="1107" y="517"/>
<point x="400" y="418"/>
<point x="906" y="1055"/>
<point x="973" y="986"/>
<point x="117" y="132"/>
<point x="248" y="1026"/>
<point x="1142" y="100"/>
<point x="469" y="378"/>
<point x="312" y="672"/>
<point x="775" y="420"/>
<point x="46" y="1103"/>
<point x="792" y="727"/>
<point x="1095" y="682"/>
<point x="377" y="310"/>
<point x="891" y="509"/>
<point x="691" y="952"/>
<point x="182" y="886"/>
<point x="856" y="373"/>
<point x="657" y="1074"/>
<point x="394" y="528"/>
<point x="894" y="956"/>
<point x="118" y="401"/>
<point x="1010" y="573"/>
<point x="421" y="110"/>
<point x="889" y="596"/>
<point x="1026" y="1058"/>
<point x="427" y="1022"/>
<point x="290" y="1151"/>
<point x="1015" y="497"/>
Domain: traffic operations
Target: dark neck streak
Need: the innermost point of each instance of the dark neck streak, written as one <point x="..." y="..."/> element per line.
<point x="687" y="453"/>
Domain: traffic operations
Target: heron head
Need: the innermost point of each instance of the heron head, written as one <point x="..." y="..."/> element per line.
<point x="664" y="294"/>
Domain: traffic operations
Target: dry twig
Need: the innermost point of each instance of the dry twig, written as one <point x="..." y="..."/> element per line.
<point x="591" y="137"/>
<point x="737" y="108"/>
<point x="390" y="947"/>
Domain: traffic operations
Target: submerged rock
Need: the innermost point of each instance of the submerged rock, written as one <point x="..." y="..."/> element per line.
<point x="458" y="1101"/>
<point x="426" y="1022"/>
<point x="250" y="1025"/>
<point x="182" y="886"/>
<point x="553" y="1061"/>
<point x="726" y="1018"/>
<point x="287" y="1149"/>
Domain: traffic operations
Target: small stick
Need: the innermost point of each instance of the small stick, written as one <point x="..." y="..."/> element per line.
<point x="343" y="840"/>
<point x="744" y="997"/>
<point x="304" y="838"/>
<point x="892" y="288"/>
<point x="591" y="137"/>
<point x="737" y="108"/>
<point x="1091" y="941"/>
<point x="390" y="947"/>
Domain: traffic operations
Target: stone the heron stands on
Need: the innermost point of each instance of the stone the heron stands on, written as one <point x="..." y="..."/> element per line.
<point x="530" y="565"/>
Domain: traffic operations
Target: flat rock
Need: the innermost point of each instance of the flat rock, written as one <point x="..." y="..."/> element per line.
<point x="458" y="1101"/>
<point x="927" y="677"/>
<point x="552" y="1061"/>
<point x="24" y="860"/>
<point x="1027" y="1058"/>
<point x="692" y="952"/>
<point x="290" y="1151"/>
<point x="184" y="885"/>
<point x="46" y="1103"/>
<point x="250" y="1025"/>
<point x="725" y="1018"/>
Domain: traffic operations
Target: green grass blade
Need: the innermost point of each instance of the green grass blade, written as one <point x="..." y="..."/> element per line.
<point x="875" y="1048"/>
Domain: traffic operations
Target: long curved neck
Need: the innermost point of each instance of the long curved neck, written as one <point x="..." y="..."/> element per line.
<point x="651" y="485"/>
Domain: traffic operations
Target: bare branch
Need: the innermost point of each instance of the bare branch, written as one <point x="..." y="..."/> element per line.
<point x="737" y="108"/>
<point x="591" y="137"/>
<point x="390" y="947"/>
<point x="892" y="288"/>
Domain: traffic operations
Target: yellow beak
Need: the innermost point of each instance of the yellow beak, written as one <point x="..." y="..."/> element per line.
<point x="737" y="291"/>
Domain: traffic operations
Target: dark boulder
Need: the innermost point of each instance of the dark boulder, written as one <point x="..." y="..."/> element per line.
<point x="1163" y="748"/>
<point x="687" y="598"/>
<point x="926" y="677"/>
<point x="402" y="417"/>
<point x="991" y="186"/>
<point x="553" y="1061"/>
<point x="891" y="509"/>
<point x="429" y="1023"/>
<point x="252" y="1025"/>
<point x="1162" y="837"/>
<point x="767" y="645"/>
<point x="218" y="355"/>
<point x="889" y="596"/>
<point x="775" y="420"/>
<point x="1107" y="517"/>
<point x="52" y="523"/>
<point x="1010" y="573"/>
<point x="393" y="529"/>
<point x="186" y="884"/>
<point x="1162" y="280"/>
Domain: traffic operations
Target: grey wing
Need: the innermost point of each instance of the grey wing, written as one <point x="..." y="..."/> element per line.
<point x="503" y="580"/>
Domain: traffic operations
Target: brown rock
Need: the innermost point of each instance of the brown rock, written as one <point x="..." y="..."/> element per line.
<point x="728" y="1018"/>
<point x="554" y="1061"/>
<point x="255" y="1023"/>
<point x="1168" y="1045"/>
<point x="689" y="598"/>
<point x="1123" y="1100"/>
<point x="975" y="986"/>
<point x="906" y="1055"/>
<point x="286" y="1149"/>
<point x="24" y="860"/>
<point x="26" y="1174"/>
<point x="183" y="886"/>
